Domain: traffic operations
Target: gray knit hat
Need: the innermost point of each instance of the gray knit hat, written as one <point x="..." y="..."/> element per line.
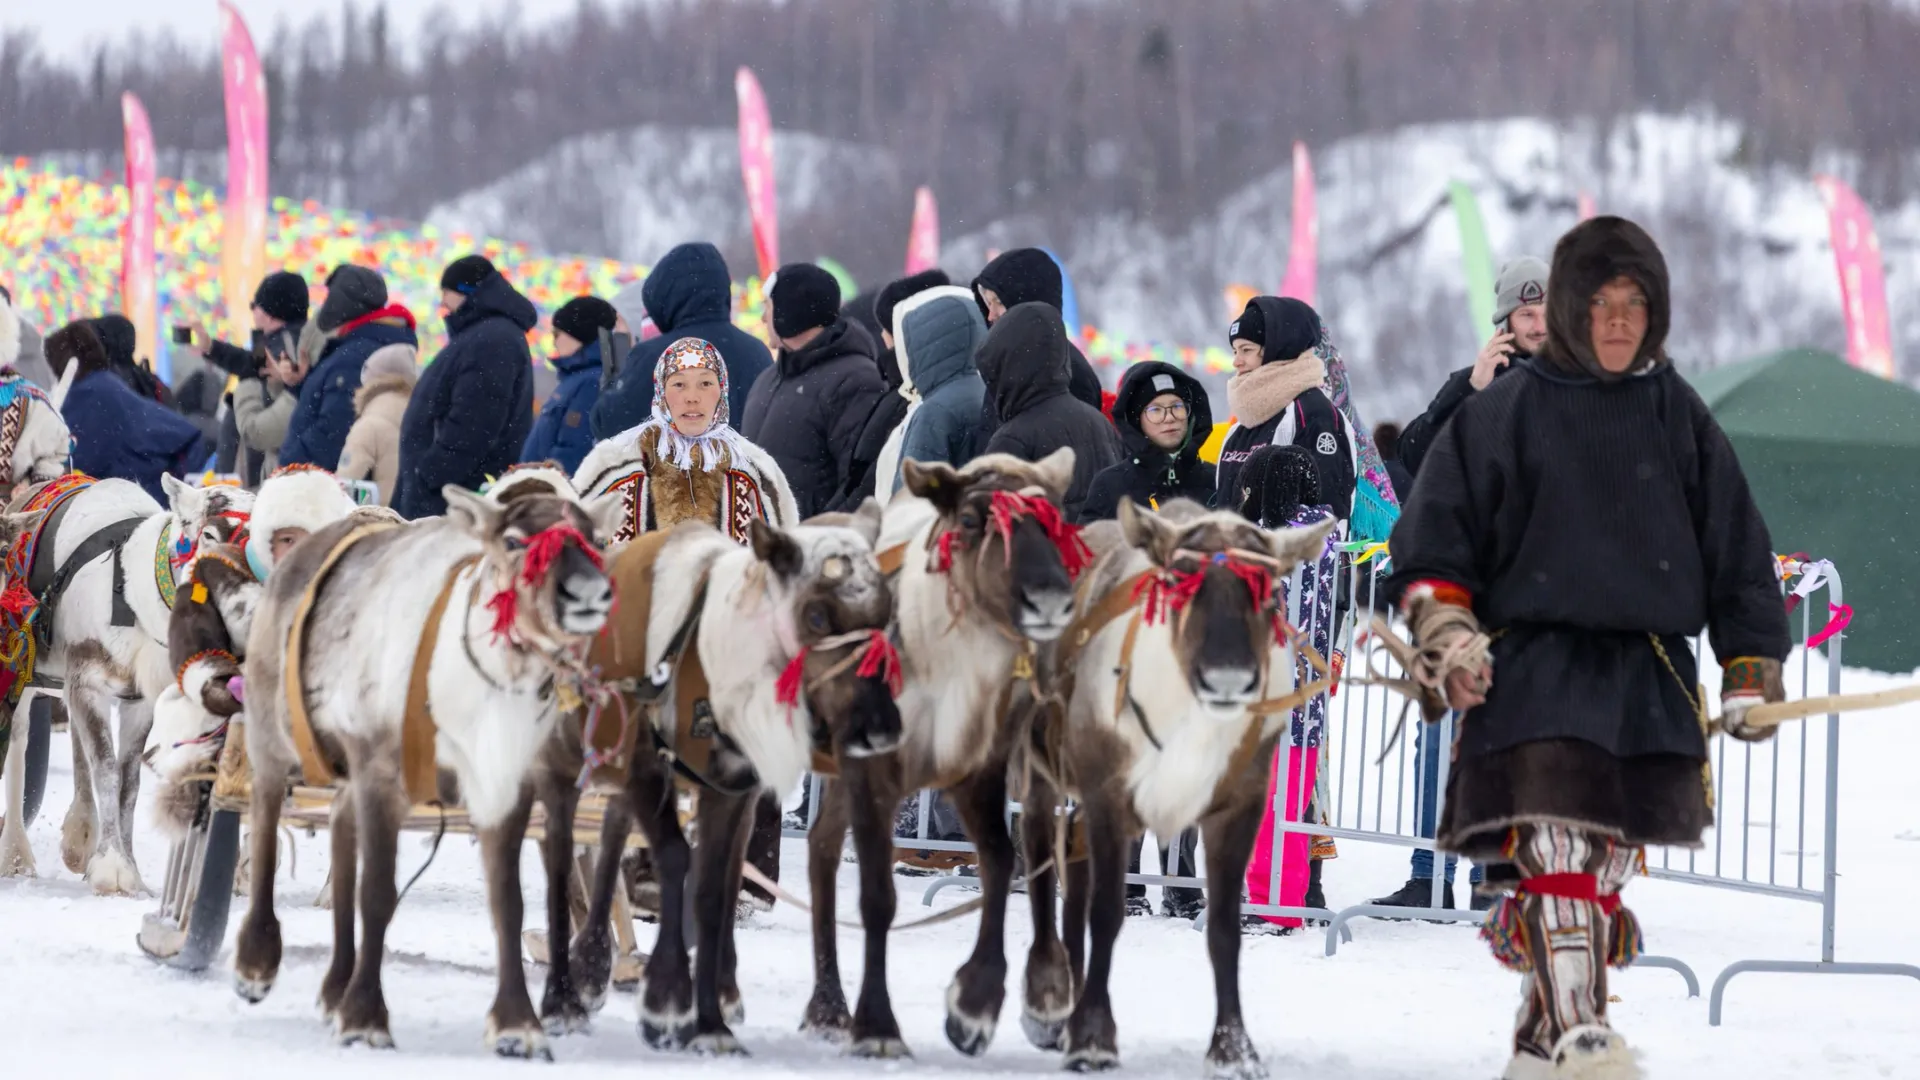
<point x="1522" y="281"/>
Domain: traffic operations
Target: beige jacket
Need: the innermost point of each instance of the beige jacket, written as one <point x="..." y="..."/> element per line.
<point x="372" y="451"/>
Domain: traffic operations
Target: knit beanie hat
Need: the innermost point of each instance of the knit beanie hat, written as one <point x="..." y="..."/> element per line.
<point x="895" y="291"/>
<point x="283" y="295"/>
<point x="583" y="317"/>
<point x="803" y="296"/>
<point x="352" y="291"/>
<point x="1282" y="326"/>
<point x="117" y="334"/>
<point x="464" y="274"/>
<point x="1521" y="282"/>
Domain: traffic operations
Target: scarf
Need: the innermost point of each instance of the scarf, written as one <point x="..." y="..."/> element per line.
<point x="719" y="443"/>
<point x="1376" y="506"/>
<point x="1260" y="394"/>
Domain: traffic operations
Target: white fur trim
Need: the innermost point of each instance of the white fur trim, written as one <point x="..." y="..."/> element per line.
<point x="1592" y="1052"/>
<point x="888" y="463"/>
<point x="303" y="499"/>
<point x="907" y="307"/>
<point x="179" y="719"/>
<point x="554" y="478"/>
<point x="773" y="483"/>
<point x="194" y="680"/>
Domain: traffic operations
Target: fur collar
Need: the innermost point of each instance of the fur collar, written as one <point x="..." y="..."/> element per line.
<point x="380" y="384"/>
<point x="1260" y="394"/>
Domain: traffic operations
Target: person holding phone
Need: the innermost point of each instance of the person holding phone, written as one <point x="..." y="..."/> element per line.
<point x="1520" y="331"/>
<point x="563" y="434"/>
<point x="279" y="311"/>
<point x="263" y="404"/>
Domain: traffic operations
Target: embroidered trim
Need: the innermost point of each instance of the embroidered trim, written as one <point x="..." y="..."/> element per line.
<point x="1446" y="592"/>
<point x="1744" y="674"/>
<point x="180" y="676"/>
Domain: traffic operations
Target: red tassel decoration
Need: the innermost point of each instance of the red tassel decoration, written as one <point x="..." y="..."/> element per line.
<point x="880" y="659"/>
<point x="786" y="689"/>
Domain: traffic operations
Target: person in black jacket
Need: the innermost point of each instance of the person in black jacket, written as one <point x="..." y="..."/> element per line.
<point x="1574" y="525"/>
<point x="1163" y="416"/>
<point x="1025" y="366"/>
<point x="1520" y="329"/>
<point x="809" y="408"/>
<point x="471" y="411"/>
<point x="354" y="322"/>
<point x="688" y="294"/>
<point x="279" y="311"/>
<point x="116" y="332"/>
<point x="875" y="313"/>
<point x="1029" y="276"/>
<point x="1278" y="398"/>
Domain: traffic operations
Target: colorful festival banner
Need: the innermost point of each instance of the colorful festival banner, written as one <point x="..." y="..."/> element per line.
<point x="1476" y="257"/>
<point x="1863" y="283"/>
<point x="243" y="241"/>
<point x="923" y="239"/>
<point x="139" y="289"/>
<point x="756" y="168"/>
<point x="1303" y="253"/>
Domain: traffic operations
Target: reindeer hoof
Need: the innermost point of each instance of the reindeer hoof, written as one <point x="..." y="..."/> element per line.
<point x="1091" y="1060"/>
<point x="526" y="1044"/>
<point x="112" y="874"/>
<point x="565" y="1017"/>
<point x="76" y="841"/>
<point x="1232" y="1056"/>
<point x="252" y="991"/>
<point x="16" y="856"/>
<point x="732" y="1010"/>
<point x="1244" y="1069"/>
<point x="1044" y="1033"/>
<point x="717" y="1044"/>
<point x="969" y="1036"/>
<point x="668" y="1028"/>
<point x="374" y="1038"/>
<point x="881" y="1049"/>
<point x="827" y="1019"/>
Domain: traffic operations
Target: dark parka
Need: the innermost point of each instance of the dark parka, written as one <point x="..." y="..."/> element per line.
<point x="471" y="411"/>
<point x="317" y="431"/>
<point x="809" y="408"/>
<point x="1027" y="373"/>
<point x="687" y="294"/>
<point x="116" y="432"/>
<point x="1025" y="276"/>
<point x="561" y="434"/>
<point x="1149" y="475"/>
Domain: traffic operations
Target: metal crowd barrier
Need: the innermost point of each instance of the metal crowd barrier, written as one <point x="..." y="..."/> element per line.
<point x="1369" y="787"/>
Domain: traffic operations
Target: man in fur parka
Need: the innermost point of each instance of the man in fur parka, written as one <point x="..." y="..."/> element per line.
<point x="1574" y="525"/>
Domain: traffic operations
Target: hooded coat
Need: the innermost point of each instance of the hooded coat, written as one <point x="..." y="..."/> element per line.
<point x="1024" y="276"/>
<point x="317" y="430"/>
<point x="1282" y="403"/>
<point x="116" y="432"/>
<point x="809" y="409"/>
<point x="687" y="294"/>
<point x="1595" y="522"/>
<point x="937" y="332"/>
<point x="561" y="433"/>
<point x="373" y="445"/>
<point x="473" y="406"/>
<point x="1149" y="475"/>
<point x="1027" y="372"/>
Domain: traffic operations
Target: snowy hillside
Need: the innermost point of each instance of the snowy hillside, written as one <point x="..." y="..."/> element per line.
<point x="632" y="195"/>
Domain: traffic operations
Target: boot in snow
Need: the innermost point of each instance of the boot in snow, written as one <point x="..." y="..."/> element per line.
<point x="1416" y="893"/>
<point x="1592" y="1052"/>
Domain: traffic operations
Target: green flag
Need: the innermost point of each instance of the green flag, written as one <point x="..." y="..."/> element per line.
<point x="1475" y="257"/>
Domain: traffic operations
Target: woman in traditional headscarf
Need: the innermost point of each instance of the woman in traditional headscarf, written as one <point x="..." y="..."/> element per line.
<point x="685" y="462"/>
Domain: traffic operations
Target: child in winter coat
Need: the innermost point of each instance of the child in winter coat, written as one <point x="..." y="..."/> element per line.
<point x="372" y="451"/>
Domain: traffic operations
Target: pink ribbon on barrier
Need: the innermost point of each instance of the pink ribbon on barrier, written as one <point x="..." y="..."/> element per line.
<point x="1841" y="615"/>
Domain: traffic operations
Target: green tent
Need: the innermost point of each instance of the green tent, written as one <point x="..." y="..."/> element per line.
<point x="1833" y="455"/>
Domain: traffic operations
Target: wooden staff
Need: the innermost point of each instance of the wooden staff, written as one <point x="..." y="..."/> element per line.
<point x="1779" y="712"/>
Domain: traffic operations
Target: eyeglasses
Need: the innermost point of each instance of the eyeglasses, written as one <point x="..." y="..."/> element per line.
<point x="1161" y="413"/>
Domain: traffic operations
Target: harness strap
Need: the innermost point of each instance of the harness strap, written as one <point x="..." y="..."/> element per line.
<point x="419" y="766"/>
<point x="891" y="559"/>
<point x="106" y="541"/>
<point x="314" y="768"/>
<point x="1570" y="887"/>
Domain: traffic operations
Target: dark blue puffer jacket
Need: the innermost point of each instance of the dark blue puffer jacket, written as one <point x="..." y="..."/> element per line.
<point x="317" y="431"/>
<point x="119" y="434"/>
<point x="470" y="414"/>
<point x="561" y="433"/>
<point x="688" y="294"/>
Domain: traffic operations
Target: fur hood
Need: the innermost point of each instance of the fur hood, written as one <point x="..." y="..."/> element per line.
<point x="76" y="341"/>
<point x="378" y="385"/>
<point x="1593" y="253"/>
<point x="296" y="497"/>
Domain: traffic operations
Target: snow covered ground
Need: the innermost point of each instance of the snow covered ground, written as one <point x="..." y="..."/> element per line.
<point x="1402" y="1001"/>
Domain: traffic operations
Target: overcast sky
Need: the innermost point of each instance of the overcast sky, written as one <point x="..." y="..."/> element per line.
<point x="67" y="28"/>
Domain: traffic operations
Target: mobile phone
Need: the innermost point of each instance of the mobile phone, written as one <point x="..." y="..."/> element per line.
<point x="257" y="342"/>
<point x="183" y="335"/>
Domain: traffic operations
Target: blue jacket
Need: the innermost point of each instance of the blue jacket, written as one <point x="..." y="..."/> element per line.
<point x="938" y="340"/>
<point x="117" y="434"/>
<point x="317" y="430"/>
<point x="688" y="294"/>
<point x="561" y="433"/>
<point x="470" y="414"/>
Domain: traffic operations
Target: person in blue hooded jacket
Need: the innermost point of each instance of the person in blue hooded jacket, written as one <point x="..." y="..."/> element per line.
<point x="354" y="322"/>
<point x="117" y="434"/>
<point x="562" y="434"/>
<point x="688" y="294"/>
<point x="471" y="411"/>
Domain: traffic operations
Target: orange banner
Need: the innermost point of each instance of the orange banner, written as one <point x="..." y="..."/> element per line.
<point x="1863" y="283"/>
<point x="243" y="241"/>
<point x="756" y="169"/>
<point x="139" y="287"/>
<point x="923" y="240"/>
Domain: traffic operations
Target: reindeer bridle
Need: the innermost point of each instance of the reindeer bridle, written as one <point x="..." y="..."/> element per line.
<point x="1005" y="508"/>
<point x="877" y="658"/>
<point x="537" y="556"/>
<point x="1168" y="591"/>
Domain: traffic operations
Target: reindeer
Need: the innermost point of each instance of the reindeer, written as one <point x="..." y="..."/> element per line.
<point x="105" y="565"/>
<point x="503" y="600"/>
<point x="986" y="568"/>
<point x="1170" y="668"/>
<point x="784" y="644"/>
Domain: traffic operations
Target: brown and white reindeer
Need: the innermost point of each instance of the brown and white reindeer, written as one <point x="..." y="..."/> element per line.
<point x="1180" y="674"/>
<point x="986" y="571"/>
<point x="779" y="649"/>
<point x="501" y="601"/>
<point x="104" y="574"/>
